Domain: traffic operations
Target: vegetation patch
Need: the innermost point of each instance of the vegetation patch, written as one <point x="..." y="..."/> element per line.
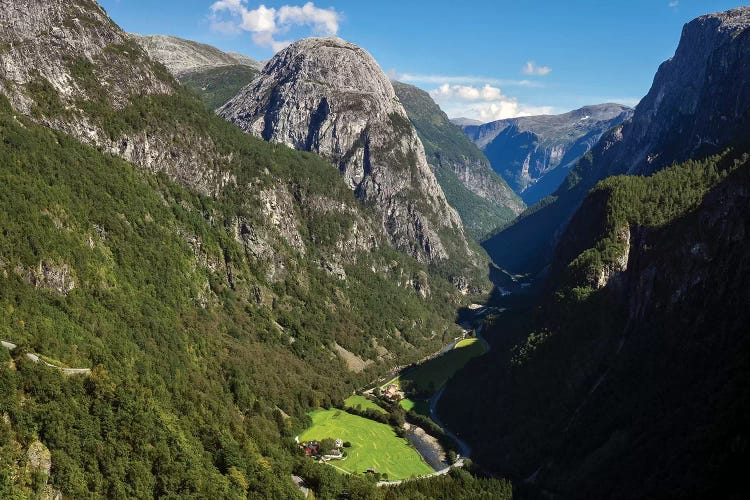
<point x="361" y="403"/>
<point x="420" y="406"/>
<point x="428" y="377"/>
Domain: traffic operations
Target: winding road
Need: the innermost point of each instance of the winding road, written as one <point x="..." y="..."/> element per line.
<point x="36" y="359"/>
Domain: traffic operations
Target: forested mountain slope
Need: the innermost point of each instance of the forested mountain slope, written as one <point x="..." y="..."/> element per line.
<point x="633" y="362"/>
<point x="208" y="278"/>
<point x="635" y="365"/>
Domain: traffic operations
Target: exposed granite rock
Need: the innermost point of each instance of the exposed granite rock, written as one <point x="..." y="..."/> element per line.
<point x="40" y="458"/>
<point x="182" y="56"/>
<point x="57" y="278"/>
<point x="278" y="209"/>
<point x="329" y="96"/>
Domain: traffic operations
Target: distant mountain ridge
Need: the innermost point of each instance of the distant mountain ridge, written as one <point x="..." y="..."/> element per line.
<point x="182" y="56"/>
<point x="535" y="153"/>
<point x="214" y="75"/>
<point x="483" y="199"/>
<point x="463" y="122"/>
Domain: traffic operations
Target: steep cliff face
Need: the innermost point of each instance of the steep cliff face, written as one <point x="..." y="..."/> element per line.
<point x="535" y="153"/>
<point x="698" y="105"/>
<point x="482" y="198"/>
<point x="329" y="96"/>
<point x="69" y="67"/>
<point x="182" y="56"/>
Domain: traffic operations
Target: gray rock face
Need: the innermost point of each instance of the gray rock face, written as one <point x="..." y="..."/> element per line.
<point x="37" y="35"/>
<point x="330" y="96"/>
<point x="70" y="54"/>
<point x="535" y="153"/>
<point x="184" y="56"/>
<point x="699" y="102"/>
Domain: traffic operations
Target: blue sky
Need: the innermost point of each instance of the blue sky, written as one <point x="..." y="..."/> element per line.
<point x="485" y="59"/>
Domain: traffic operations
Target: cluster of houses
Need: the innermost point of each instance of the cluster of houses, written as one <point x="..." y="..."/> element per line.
<point x="313" y="449"/>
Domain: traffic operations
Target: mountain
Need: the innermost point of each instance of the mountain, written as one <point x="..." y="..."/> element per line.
<point x="216" y="86"/>
<point x="462" y="122"/>
<point x="636" y="364"/>
<point x="214" y="75"/>
<point x="633" y="363"/>
<point x="694" y="96"/>
<point x="182" y="56"/>
<point x="330" y="96"/>
<point x="482" y="198"/>
<point x="217" y="286"/>
<point x="535" y="153"/>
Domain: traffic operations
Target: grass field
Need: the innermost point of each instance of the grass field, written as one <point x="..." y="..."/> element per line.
<point x="421" y="406"/>
<point x="374" y="445"/>
<point x="366" y="404"/>
<point x="432" y="375"/>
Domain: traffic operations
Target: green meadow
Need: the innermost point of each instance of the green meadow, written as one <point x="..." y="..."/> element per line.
<point x="362" y="403"/>
<point x="374" y="445"/>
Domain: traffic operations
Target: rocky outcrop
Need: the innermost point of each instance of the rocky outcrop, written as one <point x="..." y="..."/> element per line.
<point x="329" y="96"/>
<point x="40" y="458"/>
<point x="482" y="198"/>
<point x="42" y="39"/>
<point x="57" y="278"/>
<point x="182" y="56"/>
<point x="535" y="153"/>
<point x="65" y="64"/>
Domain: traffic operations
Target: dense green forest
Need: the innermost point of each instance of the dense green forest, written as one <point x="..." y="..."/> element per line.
<point x="216" y="86"/>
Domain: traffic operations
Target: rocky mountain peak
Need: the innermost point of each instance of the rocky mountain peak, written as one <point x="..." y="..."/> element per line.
<point x="730" y="21"/>
<point x="330" y="96"/>
<point x="334" y="62"/>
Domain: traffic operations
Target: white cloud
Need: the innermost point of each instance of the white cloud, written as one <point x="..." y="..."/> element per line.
<point x="531" y="68"/>
<point x="467" y="93"/>
<point x="457" y="79"/>
<point x="322" y="21"/>
<point x="485" y="103"/>
<point x="674" y="3"/>
<point x="266" y="23"/>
